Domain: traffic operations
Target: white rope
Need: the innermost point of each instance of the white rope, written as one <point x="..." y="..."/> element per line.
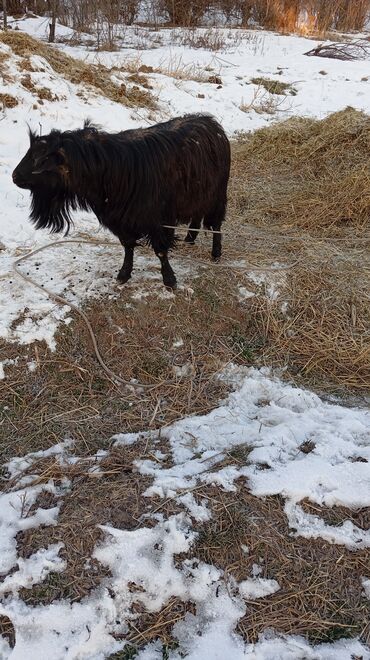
<point x="54" y="296"/>
<point x="112" y="376"/>
<point x="63" y="301"/>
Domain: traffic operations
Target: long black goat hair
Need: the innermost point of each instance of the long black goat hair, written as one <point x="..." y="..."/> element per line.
<point x="134" y="181"/>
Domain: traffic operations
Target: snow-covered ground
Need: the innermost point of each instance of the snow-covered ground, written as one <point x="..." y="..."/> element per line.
<point x="321" y="86"/>
<point x="272" y="418"/>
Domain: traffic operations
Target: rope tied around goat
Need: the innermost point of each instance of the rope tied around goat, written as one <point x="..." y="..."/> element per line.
<point x="112" y="376"/>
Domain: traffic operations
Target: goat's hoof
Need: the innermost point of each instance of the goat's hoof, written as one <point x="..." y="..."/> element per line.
<point x="189" y="241"/>
<point x="216" y="258"/>
<point x="123" y="277"/>
<point x="171" y="285"/>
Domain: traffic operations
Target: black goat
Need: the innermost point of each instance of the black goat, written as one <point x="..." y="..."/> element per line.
<point x="135" y="182"/>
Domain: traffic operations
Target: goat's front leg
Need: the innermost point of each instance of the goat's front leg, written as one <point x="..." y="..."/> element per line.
<point x="128" y="263"/>
<point x="161" y="243"/>
<point x="169" y="277"/>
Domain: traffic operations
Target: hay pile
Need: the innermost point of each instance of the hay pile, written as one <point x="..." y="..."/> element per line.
<point x="77" y="71"/>
<point x="301" y="191"/>
<point x="304" y="172"/>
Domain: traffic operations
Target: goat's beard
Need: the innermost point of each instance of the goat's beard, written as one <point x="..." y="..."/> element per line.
<point x="51" y="208"/>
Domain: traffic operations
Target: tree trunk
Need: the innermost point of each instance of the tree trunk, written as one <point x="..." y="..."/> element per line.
<point x="52" y="24"/>
<point x="5" y="16"/>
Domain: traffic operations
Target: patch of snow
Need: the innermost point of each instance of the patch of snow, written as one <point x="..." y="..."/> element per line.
<point x="273" y="419"/>
<point x="15" y="517"/>
<point x="244" y="293"/>
<point x="184" y="370"/>
<point x="4" y="363"/>
<point x="366" y="586"/>
<point x="310" y="526"/>
<point x="257" y="587"/>
<point x="34" y="569"/>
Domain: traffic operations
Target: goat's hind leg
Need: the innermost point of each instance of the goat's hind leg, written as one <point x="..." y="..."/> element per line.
<point x="193" y="230"/>
<point x="128" y="263"/>
<point x="214" y="222"/>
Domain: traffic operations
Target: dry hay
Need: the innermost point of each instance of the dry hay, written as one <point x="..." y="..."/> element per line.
<point x="304" y="173"/>
<point x="301" y="191"/>
<point x="8" y="101"/>
<point x="78" y="72"/>
<point x="323" y="335"/>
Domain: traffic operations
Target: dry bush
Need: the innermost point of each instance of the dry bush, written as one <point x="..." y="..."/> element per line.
<point x="343" y="15"/>
<point x="210" y="39"/>
<point x="104" y="19"/>
<point x="79" y="72"/>
<point x="176" y="68"/>
<point x="265" y="101"/>
<point x="183" y="13"/>
<point x="356" y="50"/>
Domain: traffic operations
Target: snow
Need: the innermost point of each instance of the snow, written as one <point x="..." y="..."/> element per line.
<point x="263" y="413"/>
<point x="272" y="419"/>
<point x="257" y="588"/>
<point x="15" y="516"/>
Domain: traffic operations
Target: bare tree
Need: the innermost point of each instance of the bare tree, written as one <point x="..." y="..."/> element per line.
<point x="53" y="22"/>
<point x="5" y="16"/>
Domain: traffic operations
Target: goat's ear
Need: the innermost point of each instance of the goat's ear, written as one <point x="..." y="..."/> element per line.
<point x="31" y="134"/>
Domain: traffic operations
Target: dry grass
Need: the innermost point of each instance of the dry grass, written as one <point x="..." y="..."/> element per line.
<point x="42" y="93"/>
<point x="320" y="596"/>
<point x="305" y="173"/>
<point x="317" y="326"/>
<point x="176" y="68"/>
<point x="8" y="101"/>
<point x="69" y="396"/>
<point x="78" y="72"/>
<point x="265" y="102"/>
<point x="306" y="185"/>
<point x="274" y="86"/>
<point x="112" y="496"/>
<point x="321" y="593"/>
<point x="324" y="335"/>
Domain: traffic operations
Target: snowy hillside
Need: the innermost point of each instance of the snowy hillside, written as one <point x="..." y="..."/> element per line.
<point x="179" y="83"/>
